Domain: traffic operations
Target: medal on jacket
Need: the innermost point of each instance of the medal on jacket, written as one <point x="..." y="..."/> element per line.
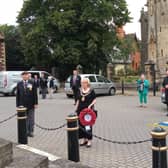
<point x="83" y="98"/>
<point x="29" y="86"/>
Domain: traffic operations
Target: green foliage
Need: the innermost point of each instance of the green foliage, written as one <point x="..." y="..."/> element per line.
<point x="71" y="32"/>
<point x="125" y="48"/>
<point x="14" y="55"/>
<point x="132" y="72"/>
<point x="131" y="79"/>
<point x="121" y="72"/>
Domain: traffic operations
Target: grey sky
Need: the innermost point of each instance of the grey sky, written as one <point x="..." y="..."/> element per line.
<point x="9" y="10"/>
<point x="135" y="7"/>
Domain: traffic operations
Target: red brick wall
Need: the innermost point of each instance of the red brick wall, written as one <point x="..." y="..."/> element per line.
<point x="136" y="60"/>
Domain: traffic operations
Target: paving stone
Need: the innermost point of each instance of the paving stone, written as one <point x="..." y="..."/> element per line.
<point x="26" y="159"/>
<point x="119" y="119"/>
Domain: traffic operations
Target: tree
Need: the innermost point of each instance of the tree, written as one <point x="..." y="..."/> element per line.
<point x="14" y="54"/>
<point x="70" y="32"/>
<point x="124" y="48"/>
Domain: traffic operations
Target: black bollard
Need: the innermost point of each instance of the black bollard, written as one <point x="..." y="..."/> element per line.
<point x="122" y="86"/>
<point x="159" y="148"/>
<point x="73" y="143"/>
<point x="22" y="125"/>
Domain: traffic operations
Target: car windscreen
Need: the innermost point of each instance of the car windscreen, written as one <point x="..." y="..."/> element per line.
<point x="100" y="79"/>
<point x="91" y="78"/>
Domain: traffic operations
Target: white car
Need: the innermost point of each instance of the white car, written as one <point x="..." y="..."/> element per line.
<point x="99" y="83"/>
<point x="9" y="80"/>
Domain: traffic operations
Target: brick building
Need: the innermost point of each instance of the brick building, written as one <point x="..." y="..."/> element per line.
<point x="2" y="53"/>
<point x="135" y="55"/>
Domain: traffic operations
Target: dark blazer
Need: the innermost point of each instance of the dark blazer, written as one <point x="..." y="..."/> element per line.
<point x="78" y="82"/>
<point x="51" y="83"/>
<point x="43" y="83"/>
<point x="37" y="83"/>
<point x="26" y="97"/>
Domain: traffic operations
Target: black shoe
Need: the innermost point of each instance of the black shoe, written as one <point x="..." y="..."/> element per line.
<point x="83" y="144"/>
<point x="31" y="134"/>
<point x="88" y="145"/>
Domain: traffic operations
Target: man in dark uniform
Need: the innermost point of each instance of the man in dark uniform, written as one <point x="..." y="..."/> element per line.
<point x="165" y="85"/>
<point x="36" y="81"/>
<point x="27" y="96"/>
<point x="75" y="84"/>
<point x="43" y="86"/>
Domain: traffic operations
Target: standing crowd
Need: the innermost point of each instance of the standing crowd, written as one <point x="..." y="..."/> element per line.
<point x="27" y="96"/>
<point x="84" y="98"/>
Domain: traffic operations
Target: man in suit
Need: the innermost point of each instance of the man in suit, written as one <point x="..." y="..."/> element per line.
<point x="27" y="96"/>
<point x="43" y="86"/>
<point x="75" y="84"/>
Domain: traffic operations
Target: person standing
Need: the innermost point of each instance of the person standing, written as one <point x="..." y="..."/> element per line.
<point x="143" y="89"/>
<point x="27" y="97"/>
<point x="86" y="99"/>
<point x="75" y="84"/>
<point x="43" y="86"/>
<point x="30" y="77"/>
<point x="36" y="81"/>
<point x="50" y="86"/>
<point x="165" y="86"/>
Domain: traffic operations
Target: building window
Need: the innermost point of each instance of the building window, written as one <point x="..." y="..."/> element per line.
<point x="162" y="52"/>
<point x="160" y="29"/>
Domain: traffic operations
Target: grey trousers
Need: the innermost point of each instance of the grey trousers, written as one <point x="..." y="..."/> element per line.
<point x="43" y="92"/>
<point x="30" y="121"/>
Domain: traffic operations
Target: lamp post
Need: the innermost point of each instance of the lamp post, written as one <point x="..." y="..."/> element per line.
<point x="154" y="79"/>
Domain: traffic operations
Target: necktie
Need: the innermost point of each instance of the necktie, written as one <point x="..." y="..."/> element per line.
<point x="25" y="84"/>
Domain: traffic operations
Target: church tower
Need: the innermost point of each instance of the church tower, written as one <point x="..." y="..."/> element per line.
<point x="162" y="35"/>
<point x="158" y="36"/>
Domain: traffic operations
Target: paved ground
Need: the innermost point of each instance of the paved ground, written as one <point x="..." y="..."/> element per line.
<point x="119" y="118"/>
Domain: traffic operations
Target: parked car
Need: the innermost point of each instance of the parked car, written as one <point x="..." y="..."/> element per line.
<point x="9" y="80"/>
<point x="163" y="97"/>
<point x="100" y="84"/>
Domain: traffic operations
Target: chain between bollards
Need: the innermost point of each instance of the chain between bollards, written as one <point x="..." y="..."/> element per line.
<point x="9" y="118"/>
<point x="73" y="143"/>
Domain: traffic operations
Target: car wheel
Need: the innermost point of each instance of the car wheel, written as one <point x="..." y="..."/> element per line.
<point x="69" y="96"/>
<point x="6" y="94"/>
<point x="112" y="91"/>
